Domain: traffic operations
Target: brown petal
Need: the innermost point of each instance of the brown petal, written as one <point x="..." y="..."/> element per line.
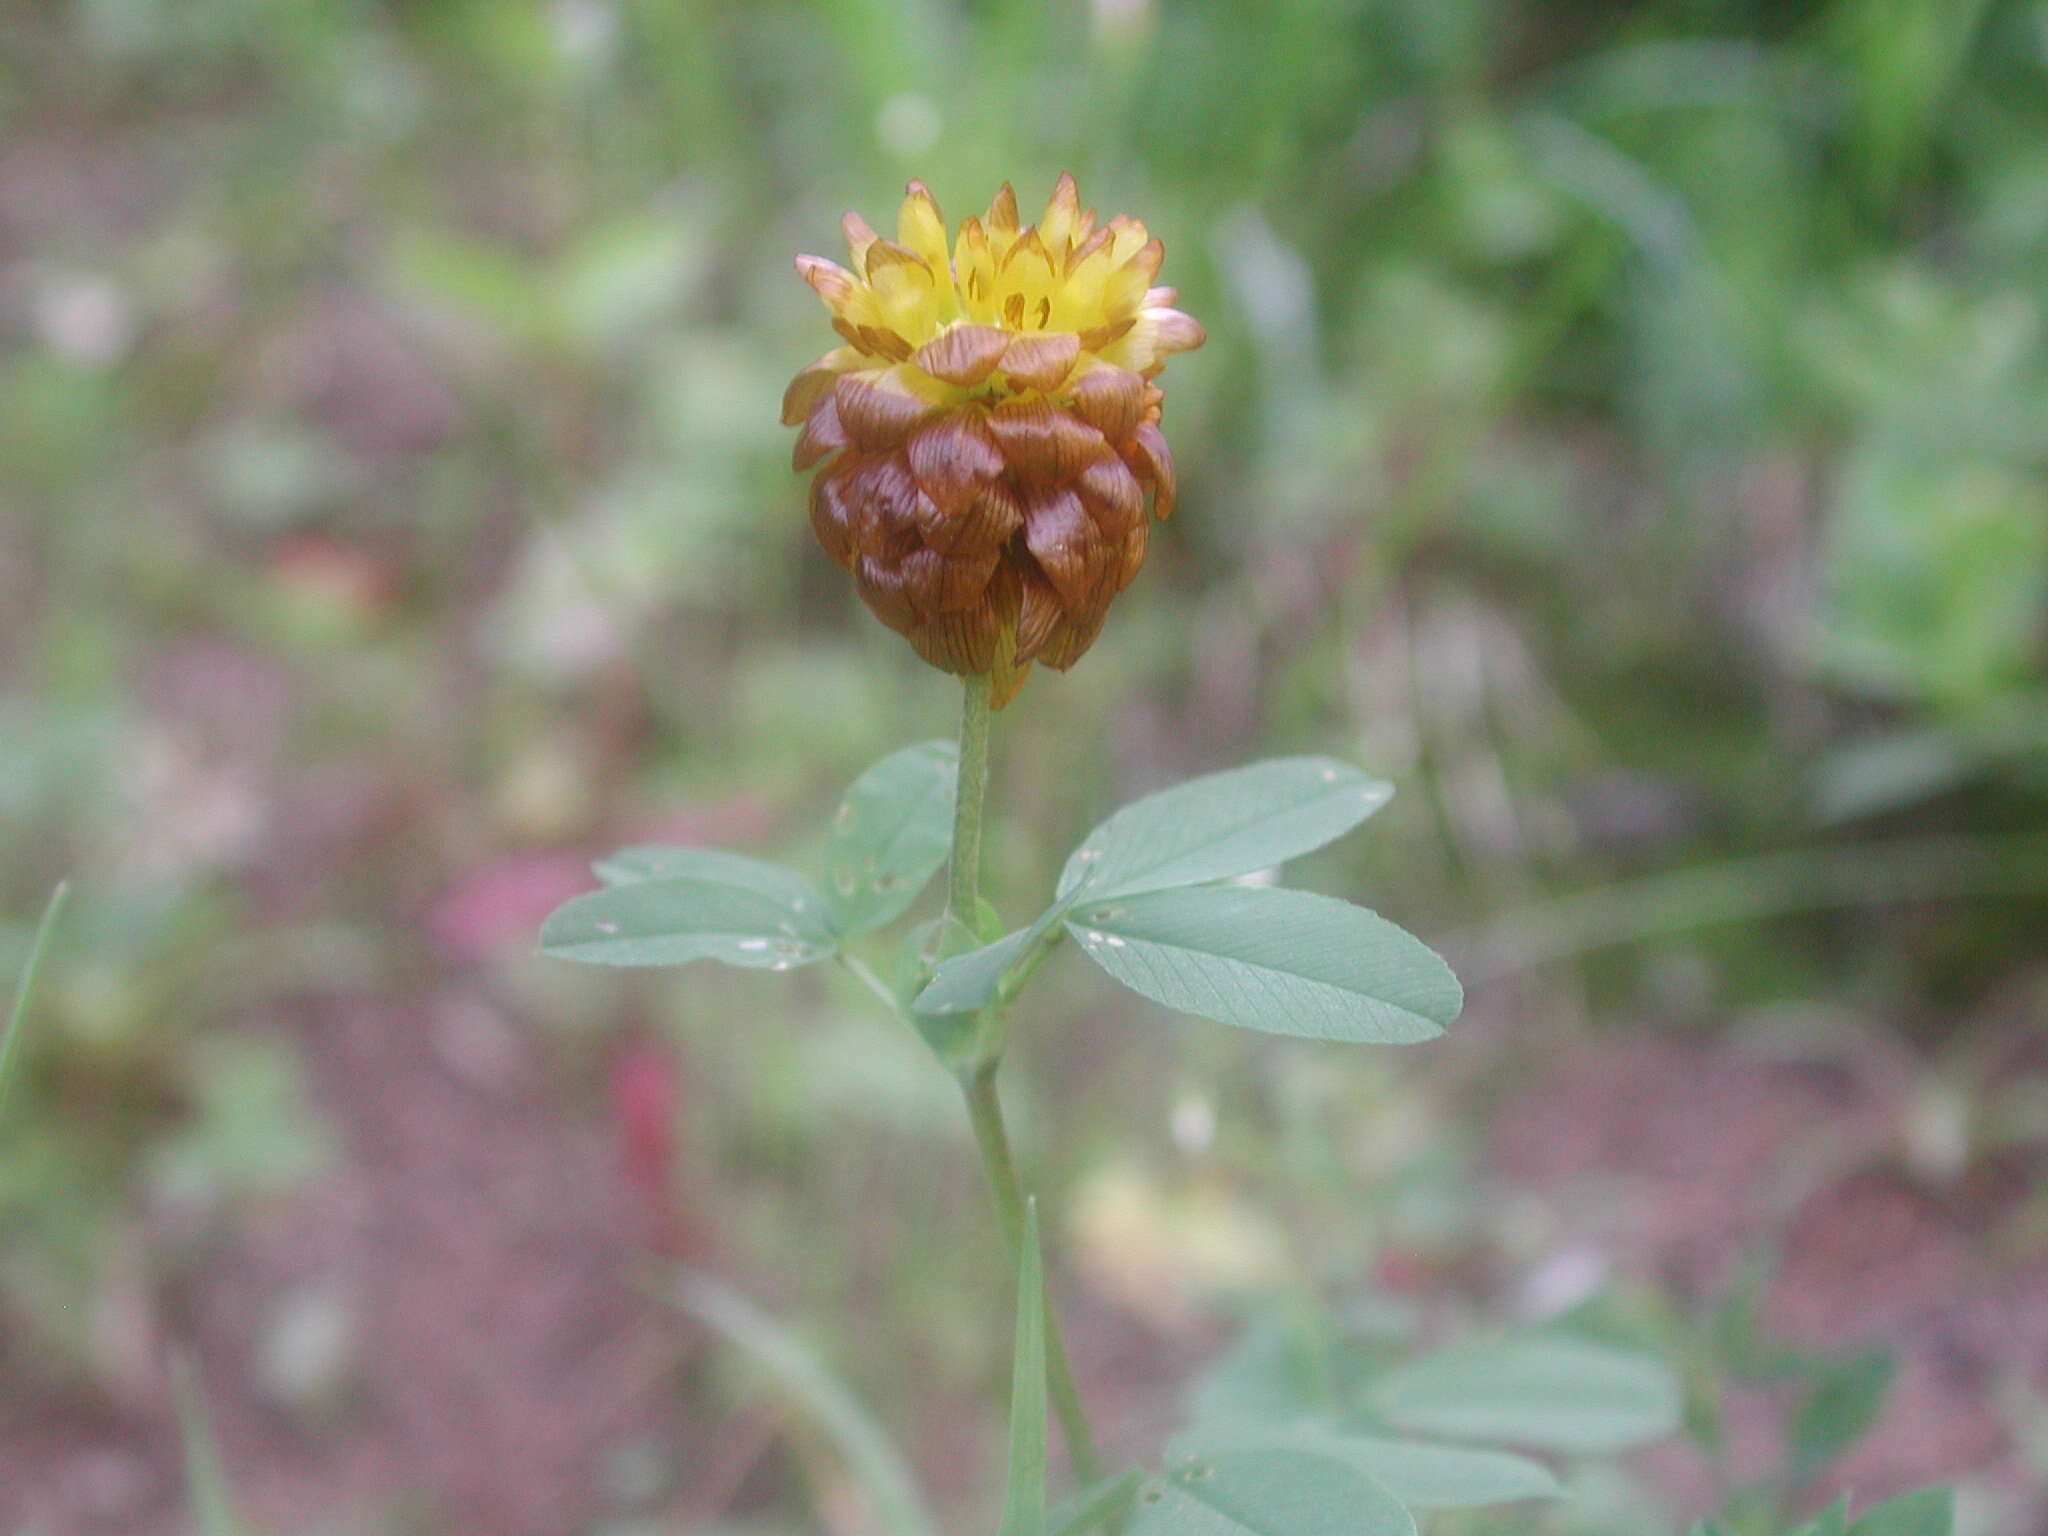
<point x="1071" y="638"/>
<point x="988" y="523"/>
<point x="925" y="573"/>
<point x="822" y="435"/>
<point x="1039" y="612"/>
<point x="805" y="390"/>
<point x="1151" y="460"/>
<point x="1132" y="553"/>
<point x="1113" y="497"/>
<point x="964" y="355"/>
<point x="965" y="578"/>
<point x="875" y="415"/>
<point x="977" y="637"/>
<point x="1109" y="400"/>
<point x="1041" y="441"/>
<point x="885" y="509"/>
<point x="953" y="458"/>
<point x="1064" y="541"/>
<point x="880" y="584"/>
<point x="831" y="518"/>
<point x="1041" y="362"/>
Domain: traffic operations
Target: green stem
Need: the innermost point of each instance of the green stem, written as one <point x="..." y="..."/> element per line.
<point x="964" y="889"/>
<point x="984" y="1106"/>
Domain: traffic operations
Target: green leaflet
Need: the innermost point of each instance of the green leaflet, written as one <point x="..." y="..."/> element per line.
<point x="890" y="835"/>
<point x="1422" y="1476"/>
<point x="1281" y="961"/>
<point x="1222" y="825"/>
<point x="675" y="920"/>
<point x="1548" y="1392"/>
<point x="656" y="861"/>
<point x="1268" y="1492"/>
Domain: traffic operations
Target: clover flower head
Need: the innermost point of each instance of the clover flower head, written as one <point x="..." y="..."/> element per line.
<point x="986" y="439"/>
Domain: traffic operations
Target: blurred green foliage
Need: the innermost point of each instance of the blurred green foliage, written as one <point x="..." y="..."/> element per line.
<point x="1622" y="426"/>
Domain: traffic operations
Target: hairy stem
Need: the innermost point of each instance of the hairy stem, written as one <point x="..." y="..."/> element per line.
<point x="984" y="1106"/>
<point x="964" y="890"/>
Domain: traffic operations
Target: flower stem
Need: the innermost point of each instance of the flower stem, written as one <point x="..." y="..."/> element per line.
<point x="964" y="891"/>
<point x="978" y="1082"/>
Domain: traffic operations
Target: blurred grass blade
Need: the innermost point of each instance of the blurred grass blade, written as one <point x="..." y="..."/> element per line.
<point x="206" y="1481"/>
<point x="869" y="1453"/>
<point x="1924" y="1512"/>
<point x="1751" y="890"/>
<point x="1024" y="1500"/>
<point x="25" y="985"/>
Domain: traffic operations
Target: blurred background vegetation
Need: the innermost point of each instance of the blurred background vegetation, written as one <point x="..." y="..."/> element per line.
<point x="1624" y="426"/>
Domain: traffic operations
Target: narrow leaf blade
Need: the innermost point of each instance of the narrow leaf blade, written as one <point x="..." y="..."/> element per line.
<point x="1223" y="825"/>
<point x="1096" y="1505"/>
<point x="1843" y="1401"/>
<point x="796" y="1372"/>
<point x="890" y="835"/>
<point x="206" y="1482"/>
<point x="1024" y="1501"/>
<point x="1546" y="1392"/>
<point x="674" y="921"/>
<point x="1284" y="962"/>
<point x="25" y="984"/>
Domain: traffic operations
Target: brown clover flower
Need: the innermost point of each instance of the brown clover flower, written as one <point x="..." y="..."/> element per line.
<point x="986" y="438"/>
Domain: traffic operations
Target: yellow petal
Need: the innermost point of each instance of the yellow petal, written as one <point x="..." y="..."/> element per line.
<point x="1156" y="333"/>
<point x="920" y="228"/>
<point x="859" y="236"/>
<point x="835" y="285"/>
<point x="974" y="272"/>
<point x="1002" y="214"/>
<point x="1062" y="212"/>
